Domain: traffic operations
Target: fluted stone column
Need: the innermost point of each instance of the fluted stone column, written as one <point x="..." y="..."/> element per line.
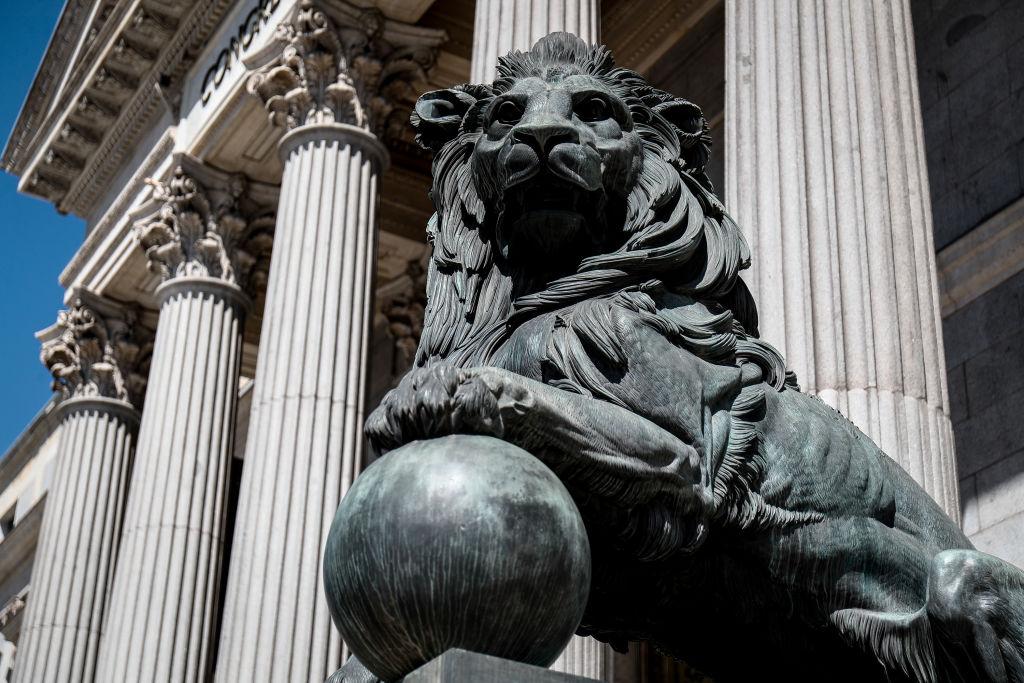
<point x="501" y="26"/>
<point x="825" y="172"/>
<point x="504" y="25"/>
<point x="305" y="438"/>
<point x="97" y="355"/>
<point x="162" y="617"/>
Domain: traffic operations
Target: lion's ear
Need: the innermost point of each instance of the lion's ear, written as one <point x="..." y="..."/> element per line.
<point x="692" y="131"/>
<point x="438" y="115"/>
<point x="683" y="114"/>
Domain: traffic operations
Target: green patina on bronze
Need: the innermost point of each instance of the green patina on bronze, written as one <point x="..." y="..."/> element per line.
<point x="585" y="305"/>
<point x="458" y="542"/>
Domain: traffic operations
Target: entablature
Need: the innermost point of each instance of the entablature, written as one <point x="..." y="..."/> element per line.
<point x="640" y="33"/>
<point x="133" y="52"/>
<point x="210" y="49"/>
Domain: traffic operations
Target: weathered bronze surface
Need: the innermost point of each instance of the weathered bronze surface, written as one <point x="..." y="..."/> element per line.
<point x="458" y="542"/>
<point x="585" y="304"/>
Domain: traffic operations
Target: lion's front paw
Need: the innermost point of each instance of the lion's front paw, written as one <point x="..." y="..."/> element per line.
<point x="438" y="401"/>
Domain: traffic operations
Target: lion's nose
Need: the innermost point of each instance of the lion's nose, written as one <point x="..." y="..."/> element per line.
<point x="544" y="136"/>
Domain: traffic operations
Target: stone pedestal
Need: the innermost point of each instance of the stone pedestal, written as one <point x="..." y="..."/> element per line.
<point x="825" y="173"/>
<point x="94" y="352"/>
<point x="459" y="666"/>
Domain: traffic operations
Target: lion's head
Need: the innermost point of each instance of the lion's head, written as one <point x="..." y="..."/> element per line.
<point x="565" y="179"/>
<point x="558" y="158"/>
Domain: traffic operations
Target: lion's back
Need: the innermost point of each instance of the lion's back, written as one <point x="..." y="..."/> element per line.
<point x="818" y="460"/>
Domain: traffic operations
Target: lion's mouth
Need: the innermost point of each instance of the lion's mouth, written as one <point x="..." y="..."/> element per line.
<point x="549" y="216"/>
<point x="552" y="196"/>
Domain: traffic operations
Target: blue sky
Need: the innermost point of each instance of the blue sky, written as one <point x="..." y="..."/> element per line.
<point x="37" y="241"/>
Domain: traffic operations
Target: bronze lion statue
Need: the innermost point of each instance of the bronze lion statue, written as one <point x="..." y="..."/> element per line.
<point x="584" y="303"/>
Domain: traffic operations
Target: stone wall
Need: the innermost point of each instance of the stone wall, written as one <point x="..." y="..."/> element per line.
<point x="971" y="72"/>
<point x="985" y="357"/>
<point x="970" y="59"/>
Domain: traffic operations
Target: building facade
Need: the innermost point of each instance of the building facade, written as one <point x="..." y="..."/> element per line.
<point x="251" y="282"/>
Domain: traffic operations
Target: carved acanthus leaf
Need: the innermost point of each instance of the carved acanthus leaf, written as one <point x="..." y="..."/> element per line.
<point x="97" y="348"/>
<point x="208" y="230"/>
<point x="340" y="67"/>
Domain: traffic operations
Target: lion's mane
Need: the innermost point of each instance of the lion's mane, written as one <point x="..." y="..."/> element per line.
<point x="676" y="237"/>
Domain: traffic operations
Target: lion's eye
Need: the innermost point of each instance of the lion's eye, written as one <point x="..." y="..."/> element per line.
<point x="593" y="109"/>
<point x="508" y="112"/>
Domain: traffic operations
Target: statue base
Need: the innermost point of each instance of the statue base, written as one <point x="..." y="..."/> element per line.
<point x="460" y="666"/>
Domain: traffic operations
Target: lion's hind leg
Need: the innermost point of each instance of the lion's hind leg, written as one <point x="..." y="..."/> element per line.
<point x="971" y="627"/>
<point x="976" y="607"/>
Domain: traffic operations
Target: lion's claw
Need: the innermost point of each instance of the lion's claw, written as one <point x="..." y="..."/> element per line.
<point x="438" y="401"/>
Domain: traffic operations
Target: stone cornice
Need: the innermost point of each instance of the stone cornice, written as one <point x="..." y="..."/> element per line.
<point x="101" y="232"/>
<point x="208" y="223"/>
<point x="639" y="39"/>
<point x="97" y="348"/>
<point x="334" y="62"/>
<point x="981" y="260"/>
<point x="404" y="10"/>
<point x="71" y="25"/>
<point x="108" y="99"/>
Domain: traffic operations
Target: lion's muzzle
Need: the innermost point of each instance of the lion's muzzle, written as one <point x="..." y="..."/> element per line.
<point x="552" y="148"/>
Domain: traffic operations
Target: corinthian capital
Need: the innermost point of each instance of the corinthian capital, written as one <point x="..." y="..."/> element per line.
<point x="345" y="64"/>
<point x="97" y="348"/>
<point x="207" y="224"/>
